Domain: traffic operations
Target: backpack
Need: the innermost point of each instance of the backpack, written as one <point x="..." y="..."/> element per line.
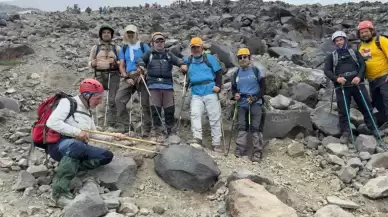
<point x="378" y="41"/>
<point x="126" y="46"/>
<point x="256" y="72"/>
<point x="42" y="136"/>
<point x="113" y="49"/>
<point x="207" y="62"/>
<point x="167" y="55"/>
<point x="335" y="58"/>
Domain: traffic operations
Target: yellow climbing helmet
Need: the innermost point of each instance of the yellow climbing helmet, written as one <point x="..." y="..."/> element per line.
<point x="243" y="51"/>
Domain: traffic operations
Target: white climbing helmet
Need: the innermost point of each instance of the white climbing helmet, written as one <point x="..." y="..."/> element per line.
<point x="338" y="34"/>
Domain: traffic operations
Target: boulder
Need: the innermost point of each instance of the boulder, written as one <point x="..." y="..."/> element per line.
<point x="86" y="205"/>
<point x="376" y="188"/>
<point x="15" y="52"/>
<point x="120" y="173"/>
<point x="242" y="173"/>
<point x="332" y="211"/>
<point x="10" y="104"/>
<point x="366" y="143"/>
<point x="305" y="93"/>
<point x="187" y="168"/>
<point x="24" y="180"/>
<point x="279" y="124"/>
<point x="326" y="122"/>
<point x="224" y="53"/>
<point x="249" y="199"/>
<point x="378" y="161"/>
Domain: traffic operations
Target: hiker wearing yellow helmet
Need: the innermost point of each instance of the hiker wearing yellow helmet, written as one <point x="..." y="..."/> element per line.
<point x="205" y="79"/>
<point x="248" y="88"/>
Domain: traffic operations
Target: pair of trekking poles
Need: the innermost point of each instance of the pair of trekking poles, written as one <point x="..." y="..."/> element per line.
<point x="131" y="104"/>
<point x="381" y="142"/>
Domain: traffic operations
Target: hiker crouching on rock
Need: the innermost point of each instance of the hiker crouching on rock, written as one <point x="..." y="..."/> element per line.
<point x="72" y="150"/>
<point x="103" y="59"/>
<point x="374" y="49"/>
<point x="346" y="69"/>
<point x="248" y="88"/>
<point x="205" y="79"/>
<point x="157" y="65"/>
<point x="132" y="50"/>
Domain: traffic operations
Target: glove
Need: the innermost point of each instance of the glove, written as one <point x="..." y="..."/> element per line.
<point x="252" y="99"/>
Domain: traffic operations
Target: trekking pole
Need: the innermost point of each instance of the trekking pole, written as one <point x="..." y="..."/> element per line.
<point x="332" y="98"/>
<point x="347" y="114"/>
<point x="107" y="102"/>
<point x="121" y="146"/>
<point x="126" y="138"/>
<point x="184" y="93"/>
<point x="152" y="101"/>
<point x="130" y="116"/>
<point x="141" y="117"/>
<point x="372" y="118"/>
<point x="222" y="125"/>
<point x="231" y="129"/>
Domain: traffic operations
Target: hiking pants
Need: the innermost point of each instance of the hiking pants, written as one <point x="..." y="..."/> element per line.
<point x="123" y="96"/>
<point x="163" y="99"/>
<point x="350" y="92"/>
<point x="213" y="108"/>
<point x="380" y="100"/>
<point x="75" y="155"/>
<point x="242" y="147"/>
<point x="103" y="78"/>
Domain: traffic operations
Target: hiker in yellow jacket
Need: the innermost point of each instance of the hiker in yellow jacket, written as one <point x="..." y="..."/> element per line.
<point x="374" y="49"/>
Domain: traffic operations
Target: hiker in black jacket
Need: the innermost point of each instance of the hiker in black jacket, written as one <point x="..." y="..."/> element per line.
<point x="346" y="67"/>
<point x="159" y="64"/>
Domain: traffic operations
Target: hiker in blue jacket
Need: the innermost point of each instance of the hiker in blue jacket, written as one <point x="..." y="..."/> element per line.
<point x="132" y="50"/>
<point x="205" y="79"/>
<point x="248" y="88"/>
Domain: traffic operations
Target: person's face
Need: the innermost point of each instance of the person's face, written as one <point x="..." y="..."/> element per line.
<point x="106" y="35"/>
<point x="95" y="100"/>
<point x="365" y="34"/>
<point x="339" y="42"/>
<point x="158" y="44"/>
<point x="243" y="60"/>
<point x="196" y="51"/>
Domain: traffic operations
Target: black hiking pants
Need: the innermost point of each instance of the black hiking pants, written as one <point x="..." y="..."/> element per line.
<point x="380" y="101"/>
<point x="353" y="91"/>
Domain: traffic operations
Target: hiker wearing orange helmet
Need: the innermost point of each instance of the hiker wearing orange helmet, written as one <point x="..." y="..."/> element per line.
<point x="205" y="80"/>
<point x="374" y="49"/>
<point x="72" y="149"/>
<point x="248" y="89"/>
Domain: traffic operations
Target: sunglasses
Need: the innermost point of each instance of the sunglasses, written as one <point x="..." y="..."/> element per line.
<point x="159" y="41"/>
<point x="130" y="33"/>
<point x="243" y="57"/>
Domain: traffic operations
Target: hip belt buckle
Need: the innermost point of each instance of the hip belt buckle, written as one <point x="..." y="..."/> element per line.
<point x="159" y="79"/>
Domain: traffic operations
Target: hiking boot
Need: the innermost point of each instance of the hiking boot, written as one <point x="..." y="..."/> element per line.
<point x="256" y="157"/>
<point x="345" y="138"/>
<point x="63" y="200"/>
<point x="218" y="149"/>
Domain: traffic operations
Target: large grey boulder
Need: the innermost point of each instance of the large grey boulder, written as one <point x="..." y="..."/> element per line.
<point x="120" y="173"/>
<point x="187" y="168"/>
<point x="86" y="205"/>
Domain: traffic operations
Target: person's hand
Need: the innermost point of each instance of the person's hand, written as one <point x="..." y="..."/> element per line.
<point x="140" y="69"/>
<point x="83" y="136"/>
<point x="251" y="99"/>
<point x="119" y="136"/>
<point x="356" y="80"/>
<point x="112" y="61"/>
<point x="94" y="63"/>
<point x="183" y="69"/>
<point x="237" y="96"/>
<point x="341" y="80"/>
<point x="131" y="81"/>
<point x="216" y="89"/>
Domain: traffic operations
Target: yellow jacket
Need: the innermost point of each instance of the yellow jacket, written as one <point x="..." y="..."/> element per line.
<point x="376" y="60"/>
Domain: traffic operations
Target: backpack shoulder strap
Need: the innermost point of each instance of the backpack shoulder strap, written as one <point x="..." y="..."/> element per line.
<point x="114" y="49"/>
<point x="256" y="71"/>
<point x="124" y="50"/>
<point x="142" y="47"/>
<point x="378" y="42"/>
<point x="335" y="60"/>
<point x="235" y="75"/>
<point x="353" y="55"/>
<point x="207" y="62"/>
<point x="98" y="47"/>
<point x="73" y="107"/>
<point x="189" y="61"/>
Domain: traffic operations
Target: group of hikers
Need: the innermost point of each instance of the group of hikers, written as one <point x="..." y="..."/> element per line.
<point x="348" y="68"/>
<point x="65" y="124"/>
<point x="148" y="70"/>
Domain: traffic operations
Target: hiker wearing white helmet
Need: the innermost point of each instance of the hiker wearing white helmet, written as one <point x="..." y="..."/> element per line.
<point x="345" y="67"/>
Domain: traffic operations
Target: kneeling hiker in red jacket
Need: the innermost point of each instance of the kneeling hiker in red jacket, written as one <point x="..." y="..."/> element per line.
<point x="66" y="124"/>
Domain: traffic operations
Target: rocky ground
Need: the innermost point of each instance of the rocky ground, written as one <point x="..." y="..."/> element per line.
<point x="305" y="167"/>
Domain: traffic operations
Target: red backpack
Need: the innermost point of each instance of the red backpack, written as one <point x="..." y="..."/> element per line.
<point x="42" y="136"/>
